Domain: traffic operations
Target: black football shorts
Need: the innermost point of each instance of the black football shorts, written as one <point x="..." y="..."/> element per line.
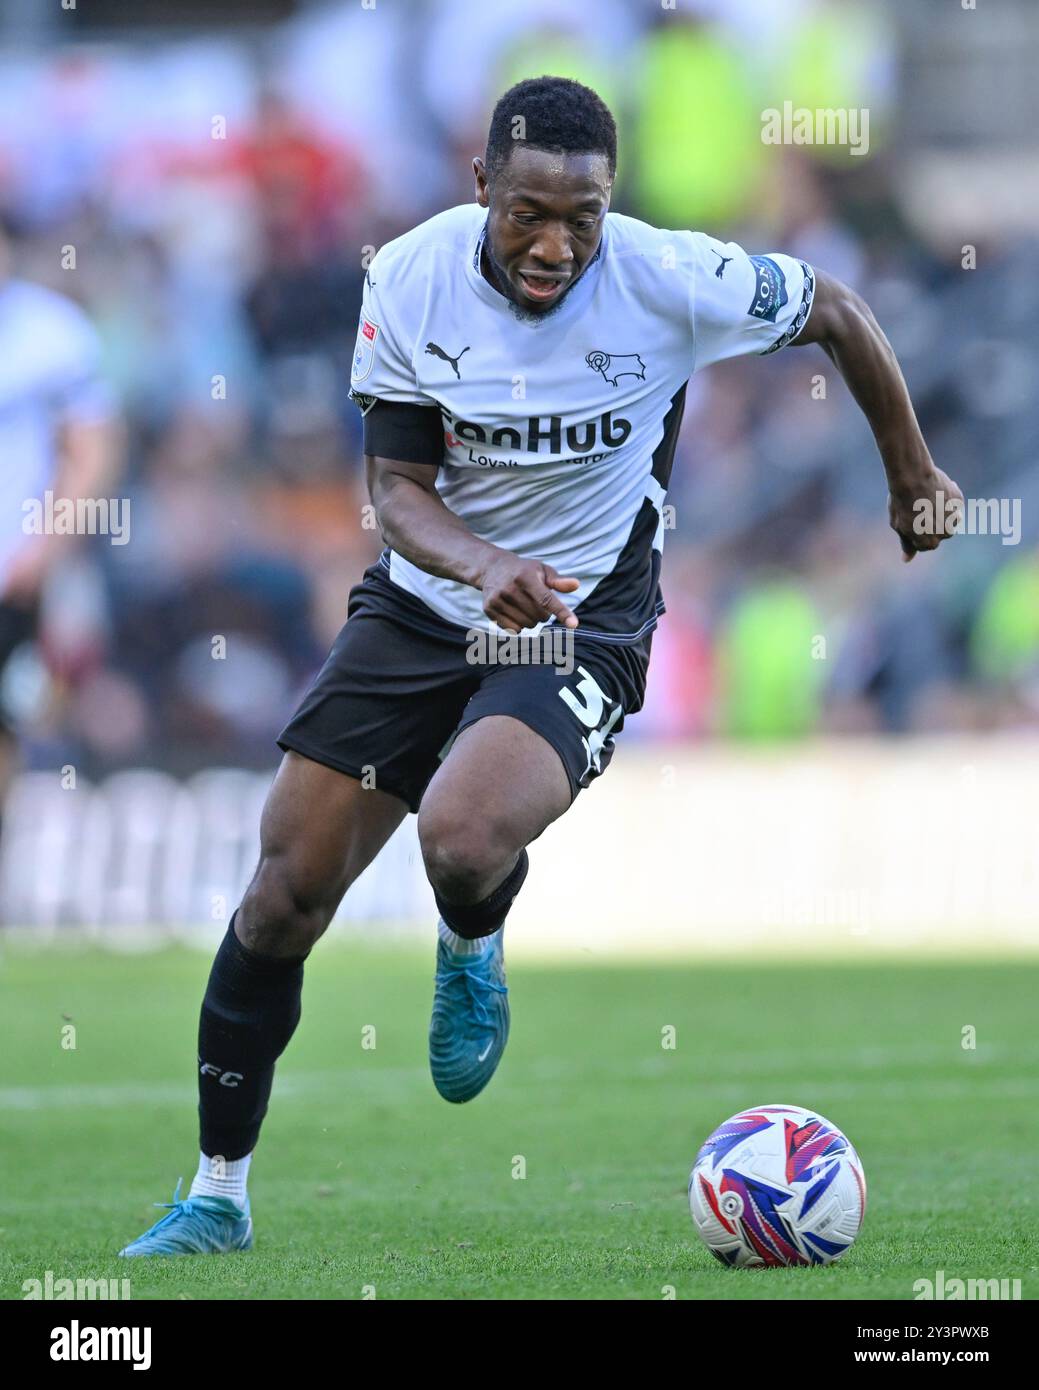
<point x="400" y="683"/>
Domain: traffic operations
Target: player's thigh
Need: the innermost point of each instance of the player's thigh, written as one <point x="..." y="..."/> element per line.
<point x="319" y="830"/>
<point x="498" y="788"/>
<point x="530" y="738"/>
<point x="329" y="822"/>
<point x="386" y="701"/>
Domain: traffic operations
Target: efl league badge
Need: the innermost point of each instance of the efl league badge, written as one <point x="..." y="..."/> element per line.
<point x="364" y="352"/>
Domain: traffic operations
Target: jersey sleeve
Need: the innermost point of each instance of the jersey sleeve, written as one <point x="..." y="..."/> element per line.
<point x="399" y="421"/>
<point x="746" y="304"/>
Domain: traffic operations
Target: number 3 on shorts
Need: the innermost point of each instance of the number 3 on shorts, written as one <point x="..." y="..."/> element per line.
<point x="591" y="709"/>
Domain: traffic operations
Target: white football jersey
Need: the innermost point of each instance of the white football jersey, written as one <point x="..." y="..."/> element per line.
<point x="49" y="373"/>
<point x="559" y="433"/>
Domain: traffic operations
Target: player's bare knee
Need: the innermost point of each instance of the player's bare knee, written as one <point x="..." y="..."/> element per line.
<point x="283" y="912"/>
<point x="464" y="859"/>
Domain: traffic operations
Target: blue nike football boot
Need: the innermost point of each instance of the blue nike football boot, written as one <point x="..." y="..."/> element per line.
<point x="470" y="1023"/>
<point x="196" y="1226"/>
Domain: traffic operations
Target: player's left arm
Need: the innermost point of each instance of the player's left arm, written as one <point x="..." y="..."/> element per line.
<point x="843" y="325"/>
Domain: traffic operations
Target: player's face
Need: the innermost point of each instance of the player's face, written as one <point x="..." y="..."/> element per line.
<point x="545" y="222"/>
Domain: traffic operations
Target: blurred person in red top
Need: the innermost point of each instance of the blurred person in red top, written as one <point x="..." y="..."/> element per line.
<point x="308" y="187"/>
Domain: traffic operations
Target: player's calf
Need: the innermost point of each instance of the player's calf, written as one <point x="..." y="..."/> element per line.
<point x="498" y="788"/>
<point x="320" y="829"/>
<point x="470" y="1022"/>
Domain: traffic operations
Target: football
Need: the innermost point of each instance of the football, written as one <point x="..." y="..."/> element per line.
<point x="777" y="1185"/>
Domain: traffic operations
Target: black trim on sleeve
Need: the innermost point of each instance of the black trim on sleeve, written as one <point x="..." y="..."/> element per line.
<point x="801" y="318"/>
<point x="403" y="431"/>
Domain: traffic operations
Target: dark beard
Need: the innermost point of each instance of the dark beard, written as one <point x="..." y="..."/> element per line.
<point x="501" y="283"/>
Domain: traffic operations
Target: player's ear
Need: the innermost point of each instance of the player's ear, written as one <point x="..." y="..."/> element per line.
<point x="482" y="186"/>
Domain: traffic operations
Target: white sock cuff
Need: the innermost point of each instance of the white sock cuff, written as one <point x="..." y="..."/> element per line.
<point x="461" y="945"/>
<point x="221" y="1177"/>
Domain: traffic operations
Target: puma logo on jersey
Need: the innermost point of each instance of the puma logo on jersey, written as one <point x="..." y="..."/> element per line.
<point x="437" y="351"/>
<point x="724" y="262"/>
<point x="612" y="366"/>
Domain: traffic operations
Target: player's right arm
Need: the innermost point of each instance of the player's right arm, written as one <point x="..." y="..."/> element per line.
<point x="404" y="448"/>
<point x="415" y="522"/>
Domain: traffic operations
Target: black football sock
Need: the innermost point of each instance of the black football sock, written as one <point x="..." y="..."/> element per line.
<point x="473" y="920"/>
<point x="251" y="1007"/>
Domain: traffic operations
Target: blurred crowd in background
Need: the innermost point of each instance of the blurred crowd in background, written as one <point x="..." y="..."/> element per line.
<point x="224" y="185"/>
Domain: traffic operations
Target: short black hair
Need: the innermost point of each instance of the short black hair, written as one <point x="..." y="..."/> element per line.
<point x="557" y="114"/>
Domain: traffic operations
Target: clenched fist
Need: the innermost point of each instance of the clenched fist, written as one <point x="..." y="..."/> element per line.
<point x="520" y="593"/>
<point x="926" y="512"/>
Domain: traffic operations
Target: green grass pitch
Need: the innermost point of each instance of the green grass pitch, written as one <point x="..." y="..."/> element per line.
<point x="365" y="1179"/>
